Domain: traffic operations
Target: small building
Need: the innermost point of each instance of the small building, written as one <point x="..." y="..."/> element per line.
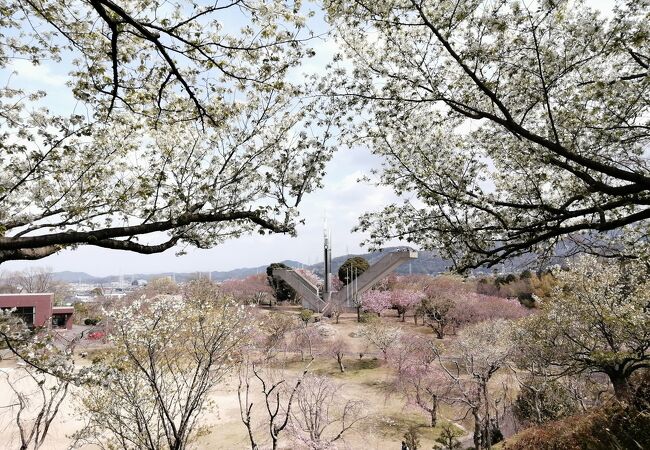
<point x="38" y="310"/>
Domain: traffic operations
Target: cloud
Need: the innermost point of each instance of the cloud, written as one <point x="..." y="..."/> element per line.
<point x="41" y="74"/>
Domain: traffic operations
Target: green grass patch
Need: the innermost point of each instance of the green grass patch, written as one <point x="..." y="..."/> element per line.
<point x="392" y="427"/>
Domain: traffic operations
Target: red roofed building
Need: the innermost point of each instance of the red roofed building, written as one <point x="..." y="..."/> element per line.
<point x="38" y="310"/>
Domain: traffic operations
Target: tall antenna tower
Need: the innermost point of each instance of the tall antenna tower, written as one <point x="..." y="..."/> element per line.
<point x="327" y="248"/>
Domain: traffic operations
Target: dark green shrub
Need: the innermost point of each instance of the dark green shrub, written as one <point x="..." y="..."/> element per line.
<point x="366" y="317"/>
<point x="543" y="401"/>
<point x="525" y="274"/>
<point x="448" y="438"/>
<point x="306" y="315"/>
<point x="412" y="438"/>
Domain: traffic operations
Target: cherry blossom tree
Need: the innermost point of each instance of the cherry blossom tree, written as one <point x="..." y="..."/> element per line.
<point x="179" y="128"/>
<point x="513" y="127"/>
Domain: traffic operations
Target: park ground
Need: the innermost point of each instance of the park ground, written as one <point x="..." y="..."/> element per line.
<point x="367" y="377"/>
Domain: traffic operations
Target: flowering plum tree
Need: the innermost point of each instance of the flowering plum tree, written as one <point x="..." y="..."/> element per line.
<point x="595" y="320"/>
<point x="252" y="289"/>
<point x="279" y="396"/>
<point x="320" y="416"/>
<point x="404" y="300"/>
<point x="418" y="375"/>
<point x="306" y="340"/>
<point x="376" y="301"/>
<point x="384" y="337"/>
<point x="473" y="308"/>
<point x="338" y="348"/>
<point x="310" y="276"/>
<point x="449" y="303"/>
<point x="437" y="312"/>
<point x="479" y="352"/>
<point x="513" y="127"/>
<point x="168" y="353"/>
<point x="275" y="330"/>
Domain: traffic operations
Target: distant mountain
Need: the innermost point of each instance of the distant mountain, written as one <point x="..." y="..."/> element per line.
<point x="427" y="263"/>
<point x="83" y="277"/>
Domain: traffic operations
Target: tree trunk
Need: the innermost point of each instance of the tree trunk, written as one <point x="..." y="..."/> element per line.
<point x="488" y="424"/>
<point x="251" y="438"/>
<point x="434" y="410"/>
<point x="622" y="389"/>
<point x="477" y="430"/>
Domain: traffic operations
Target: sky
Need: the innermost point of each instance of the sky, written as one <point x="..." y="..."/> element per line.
<point x="342" y="200"/>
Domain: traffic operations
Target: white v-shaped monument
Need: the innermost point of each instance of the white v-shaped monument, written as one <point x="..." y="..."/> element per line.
<point x="324" y="300"/>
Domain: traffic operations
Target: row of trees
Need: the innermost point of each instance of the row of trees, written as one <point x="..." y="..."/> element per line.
<point x="444" y="303"/>
<point x="169" y="350"/>
<point x="34" y="280"/>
